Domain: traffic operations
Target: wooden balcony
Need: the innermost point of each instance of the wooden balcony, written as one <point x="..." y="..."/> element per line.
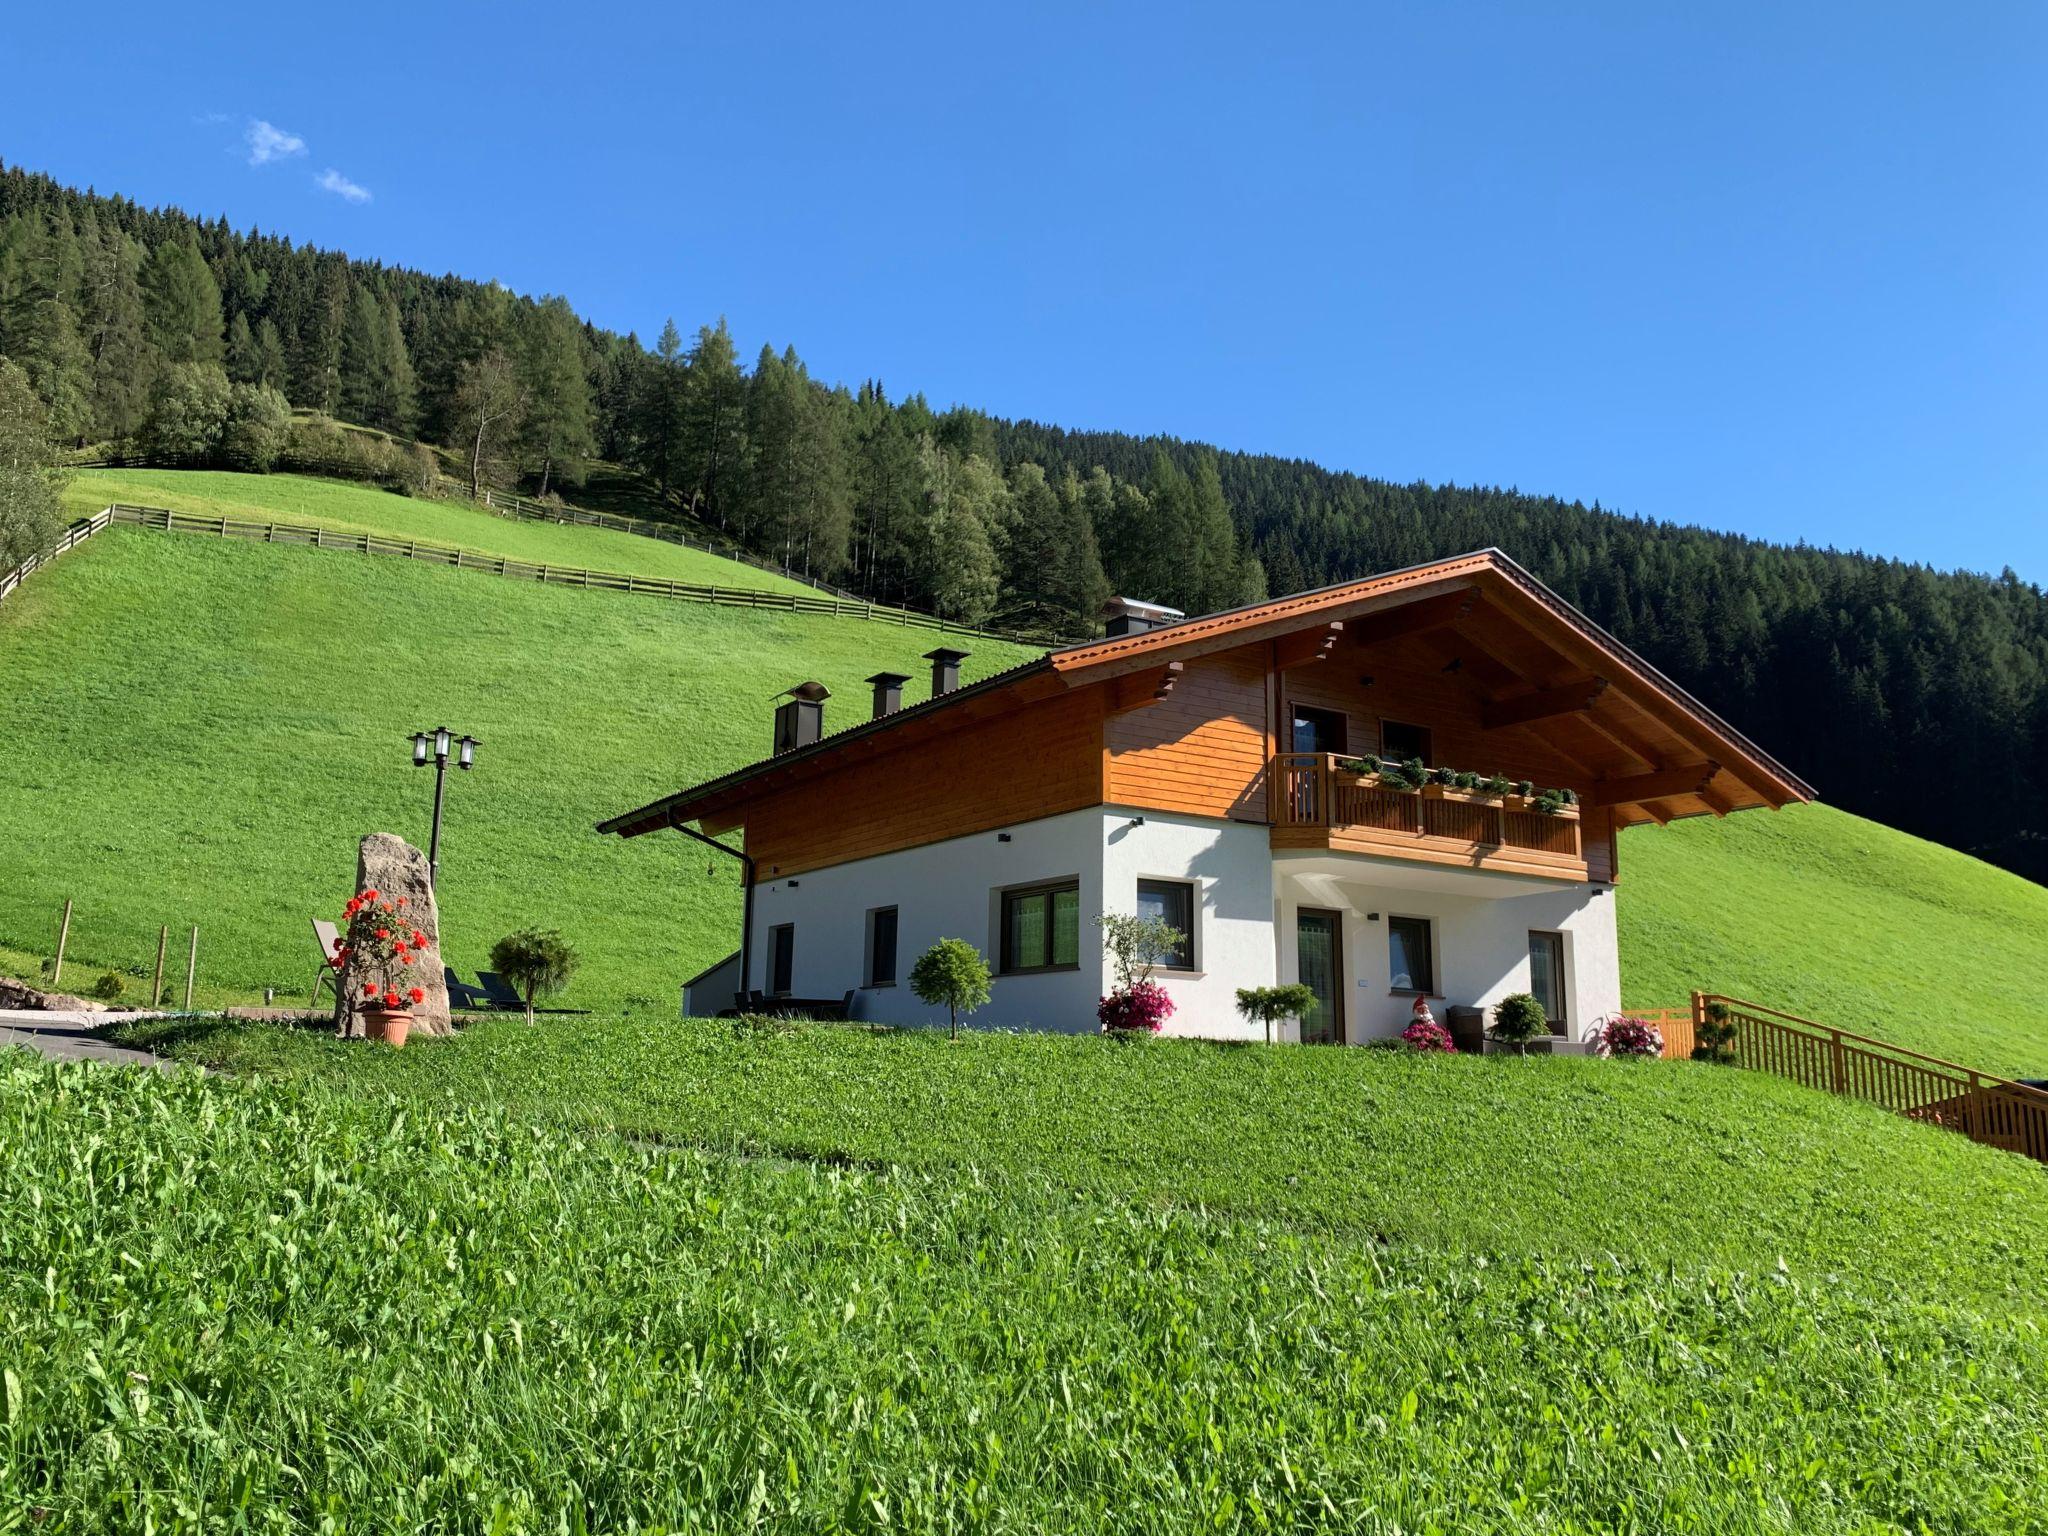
<point x="1318" y="805"/>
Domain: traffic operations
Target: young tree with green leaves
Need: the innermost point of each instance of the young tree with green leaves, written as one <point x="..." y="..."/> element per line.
<point x="538" y="961"/>
<point x="487" y="409"/>
<point x="951" y="972"/>
<point x="31" y="516"/>
<point x="188" y="411"/>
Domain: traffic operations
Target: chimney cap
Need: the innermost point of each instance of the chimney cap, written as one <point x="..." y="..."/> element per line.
<point x="1158" y="613"/>
<point x="810" y="693"/>
<point x="944" y="653"/>
<point x="886" y="678"/>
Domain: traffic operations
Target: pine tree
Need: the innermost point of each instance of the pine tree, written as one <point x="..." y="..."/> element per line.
<point x="399" y="394"/>
<point x="242" y="360"/>
<point x="711" y="429"/>
<point x="661" y="401"/>
<point x="1216" y="581"/>
<point x="362" y="367"/>
<point x="270" y="368"/>
<point x="116" y="334"/>
<point x="955" y="561"/>
<point x="886" y="492"/>
<point x="181" y="303"/>
<point x="39" y="322"/>
<point x="557" y="389"/>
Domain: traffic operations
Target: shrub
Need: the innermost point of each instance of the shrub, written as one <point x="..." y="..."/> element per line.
<point x="188" y="410"/>
<point x="1518" y="1018"/>
<point x="538" y="961"/>
<point x="1714" y="1037"/>
<point x="108" y="988"/>
<point x="1142" y="1008"/>
<point x="1274" y="1005"/>
<point x="1623" y="1036"/>
<point x="951" y="972"/>
<point x="31" y="515"/>
<point x="1137" y="944"/>
<point x="1498" y="785"/>
<point x="259" y="425"/>
<point x="1428" y="1035"/>
<point x="1468" y="780"/>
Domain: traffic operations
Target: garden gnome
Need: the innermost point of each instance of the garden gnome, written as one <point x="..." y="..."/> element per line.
<point x="1420" y="1014"/>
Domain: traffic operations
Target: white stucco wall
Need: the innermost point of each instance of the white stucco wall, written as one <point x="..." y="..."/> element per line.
<point x="951" y="890"/>
<point x="1481" y="942"/>
<point x="1244" y="931"/>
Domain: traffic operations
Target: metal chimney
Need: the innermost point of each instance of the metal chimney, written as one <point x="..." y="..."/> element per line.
<point x="1128" y="616"/>
<point x="945" y="669"/>
<point x="800" y="721"/>
<point x="888" y="688"/>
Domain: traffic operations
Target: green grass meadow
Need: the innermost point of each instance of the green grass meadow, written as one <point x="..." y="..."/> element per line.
<point x="625" y="1273"/>
<point x="350" y="508"/>
<point x="201" y="730"/>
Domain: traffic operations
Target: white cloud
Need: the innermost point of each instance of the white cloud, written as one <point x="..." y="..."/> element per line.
<point x="267" y="142"/>
<point x="331" y="180"/>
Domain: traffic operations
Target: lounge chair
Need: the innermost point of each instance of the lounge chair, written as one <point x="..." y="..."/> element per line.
<point x="330" y="940"/>
<point x="501" y="994"/>
<point x="461" y="994"/>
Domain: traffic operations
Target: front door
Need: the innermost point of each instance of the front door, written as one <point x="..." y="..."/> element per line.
<point x="1319" y="949"/>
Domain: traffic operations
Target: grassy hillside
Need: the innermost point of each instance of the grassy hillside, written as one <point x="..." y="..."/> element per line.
<point x="199" y="731"/>
<point x="178" y="760"/>
<point x="350" y="508"/>
<point x="946" y="1309"/>
<point x="1840" y="919"/>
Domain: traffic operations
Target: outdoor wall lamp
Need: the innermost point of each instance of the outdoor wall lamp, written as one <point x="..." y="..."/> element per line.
<point x="440" y="738"/>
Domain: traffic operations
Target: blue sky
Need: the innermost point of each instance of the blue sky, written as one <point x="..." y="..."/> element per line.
<point x="1773" y="269"/>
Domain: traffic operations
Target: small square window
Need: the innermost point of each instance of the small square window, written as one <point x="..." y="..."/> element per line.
<point x="1411" y="960"/>
<point x="1173" y="901"/>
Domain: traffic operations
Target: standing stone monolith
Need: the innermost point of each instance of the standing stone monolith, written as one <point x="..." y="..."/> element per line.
<point x="393" y="867"/>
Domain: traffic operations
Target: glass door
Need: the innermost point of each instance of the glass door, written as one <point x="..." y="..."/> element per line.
<point x="1319" y="949"/>
<point x="1546" y="976"/>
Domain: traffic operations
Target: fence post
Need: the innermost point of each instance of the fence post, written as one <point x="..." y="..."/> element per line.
<point x="156" y="989"/>
<point x="191" y="966"/>
<point x="63" y="934"/>
<point x="1838" y="1067"/>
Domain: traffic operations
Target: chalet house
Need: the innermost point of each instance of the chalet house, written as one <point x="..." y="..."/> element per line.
<point x="1235" y="774"/>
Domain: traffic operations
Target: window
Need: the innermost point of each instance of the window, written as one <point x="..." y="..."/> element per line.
<point x="1401" y="742"/>
<point x="1318" y="730"/>
<point x="882" y="947"/>
<point x="1174" y="901"/>
<point x="1411" y="958"/>
<point x="1546" y="976"/>
<point x="781" y="958"/>
<point x="1042" y="928"/>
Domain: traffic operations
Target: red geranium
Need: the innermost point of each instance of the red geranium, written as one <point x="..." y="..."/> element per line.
<point x="1142" y="1008"/>
<point x="369" y="989"/>
<point x="417" y="994"/>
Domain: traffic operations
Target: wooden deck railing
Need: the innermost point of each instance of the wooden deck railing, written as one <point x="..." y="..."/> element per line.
<point x="1992" y="1110"/>
<point x="1309" y="790"/>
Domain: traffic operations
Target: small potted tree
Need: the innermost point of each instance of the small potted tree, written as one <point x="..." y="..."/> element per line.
<point x="1517" y="1019"/>
<point x="538" y="961"/>
<point x="1273" y="1006"/>
<point x="951" y="972"/>
<point x="378" y="948"/>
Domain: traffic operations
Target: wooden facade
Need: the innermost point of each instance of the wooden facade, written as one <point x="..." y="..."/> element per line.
<point x="1197" y="718"/>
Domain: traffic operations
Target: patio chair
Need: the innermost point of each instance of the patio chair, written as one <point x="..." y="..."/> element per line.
<point x="500" y="993"/>
<point x="461" y="994"/>
<point x="330" y="940"/>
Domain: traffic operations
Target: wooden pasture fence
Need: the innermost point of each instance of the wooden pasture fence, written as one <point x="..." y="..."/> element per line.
<point x="166" y="521"/>
<point x="1992" y="1110"/>
<point x="73" y="536"/>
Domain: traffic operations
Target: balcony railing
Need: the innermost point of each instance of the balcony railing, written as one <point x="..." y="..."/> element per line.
<point x="1317" y="804"/>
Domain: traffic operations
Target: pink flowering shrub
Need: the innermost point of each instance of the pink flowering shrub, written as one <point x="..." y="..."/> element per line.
<point x="1428" y="1035"/>
<point x="1142" y="1008"/>
<point x="1621" y="1036"/>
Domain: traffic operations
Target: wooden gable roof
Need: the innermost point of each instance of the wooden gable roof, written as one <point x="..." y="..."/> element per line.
<point x="1649" y="749"/>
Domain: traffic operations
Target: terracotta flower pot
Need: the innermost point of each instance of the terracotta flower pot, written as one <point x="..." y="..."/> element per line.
<point x="391" y="1025"/>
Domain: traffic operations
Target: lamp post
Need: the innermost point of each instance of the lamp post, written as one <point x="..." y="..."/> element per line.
<point x="438" y="742"/>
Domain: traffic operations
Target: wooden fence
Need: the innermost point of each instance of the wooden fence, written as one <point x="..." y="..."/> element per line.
<point x="166" y="521"/>
<point x="1992" y="1110"/>
<point x="74" y="536"/>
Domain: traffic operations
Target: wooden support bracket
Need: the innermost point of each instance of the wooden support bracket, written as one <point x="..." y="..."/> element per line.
<point x="1571" y="699"/>
<point x="1136" y="690"/>
<point x="1660" y="785"/>
<point x="1305" y="646"/>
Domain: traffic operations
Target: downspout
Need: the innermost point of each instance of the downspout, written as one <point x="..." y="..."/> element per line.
<point x="746" y="898"/>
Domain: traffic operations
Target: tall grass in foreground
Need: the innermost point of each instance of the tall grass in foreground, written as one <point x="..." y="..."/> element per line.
<point x="280" y="1307"/>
